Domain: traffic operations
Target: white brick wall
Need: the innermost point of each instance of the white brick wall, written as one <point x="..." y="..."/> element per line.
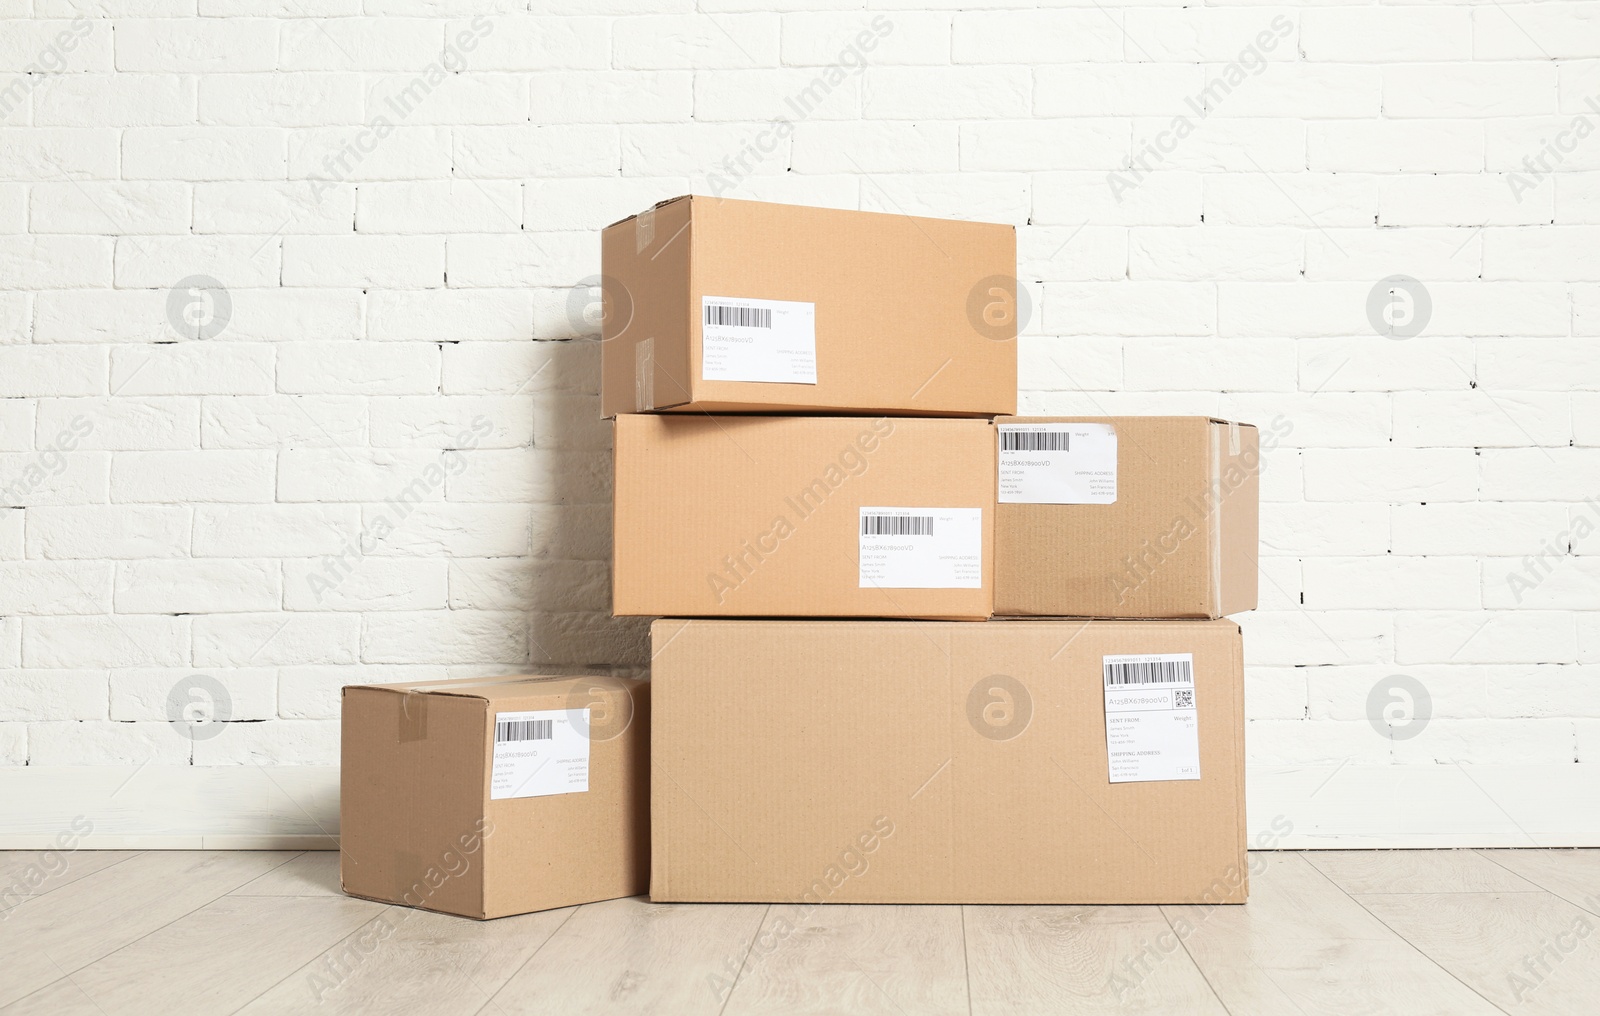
<point x="399" y="294"/>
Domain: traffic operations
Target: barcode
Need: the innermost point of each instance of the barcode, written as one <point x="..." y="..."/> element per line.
<point x="1155" y="672"/>
<point x="1035" y="441"/>
<point x="742" y="317"/>
<point x="523" y="730"/>
<point x="897" y="525"/>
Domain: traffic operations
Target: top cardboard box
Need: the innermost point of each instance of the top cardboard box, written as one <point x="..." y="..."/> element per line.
<point x="718" y="305"/>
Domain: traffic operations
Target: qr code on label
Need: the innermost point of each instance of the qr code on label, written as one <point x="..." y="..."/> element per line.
<point x="1183" y="699"/>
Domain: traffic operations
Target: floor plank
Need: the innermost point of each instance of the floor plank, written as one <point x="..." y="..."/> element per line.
<point x="313" y="873"/>
<point x="1302" y="946"/>
<point x="212" y="961"/>
<point x="1416" y="871"/>
<point x="1531" y="953"/>
<point x="634" y="956"/>
<point x="1085" y="960"/>
<point x="854" y="959"/>
<point x="1573" y="875"/>
<point x="25" y="873"/>
<point x="411" y="961"/>
<point x="52" y="935"/>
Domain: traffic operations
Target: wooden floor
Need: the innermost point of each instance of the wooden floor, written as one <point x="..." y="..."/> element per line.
<point x="1452" y="933"/>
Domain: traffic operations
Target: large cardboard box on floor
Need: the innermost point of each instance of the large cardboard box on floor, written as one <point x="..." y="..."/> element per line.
<point x="1048" y="761"/>
<point x="495" y="797"/>
<point x="721" y="305"/>
<point x="802" y="516"/>
<point x="1126" y="516"/>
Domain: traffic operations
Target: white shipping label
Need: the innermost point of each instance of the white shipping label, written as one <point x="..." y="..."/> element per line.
<point x="1058" y="463"/>
<point x="758" y="340"/>
<point x="1152" y="728"/>
<point x="921" y="548"/>
<point x="539" y="753"/>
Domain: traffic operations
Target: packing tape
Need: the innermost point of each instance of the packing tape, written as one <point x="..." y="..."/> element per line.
<point x="644" y="375"/>
<point x="644" y="230"/>
<point x="413" y="718"/>
<point x="1214" y="516"/>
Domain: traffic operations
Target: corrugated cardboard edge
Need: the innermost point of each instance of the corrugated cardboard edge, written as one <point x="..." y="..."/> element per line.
<point x="663" y="632"/>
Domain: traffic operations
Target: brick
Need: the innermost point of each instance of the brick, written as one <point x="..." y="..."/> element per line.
<point x="1314" y="529"/>
<point x="452" y="530"/>
<point x="123" y="208"/>
<point x="445" y="636"/>
<point x="612" y="96"/>
<point x="1386" y="146"/>
<point x="693" y="42"/>
<point x="314" y="692"/>
<point x="277" y="421"/>
<point x="1077" y="143"/>
<point x="1310" y="638"/>
<point x="358" y="474"/>
<point x="1389" y="474"/>
<point x="1477" y="528"/>
<point x="1035" y="37"/>
<point x="359" y="44"/>
<point x="55" y="262"/>
<point x="946" y="93"/>
<point x="160" y="261"/>
<point x="1208" y="364"/>
<point x="149" y="693"/>
<point x="1393" y="583"/>
<point x="1374" y="363"/>
<point x="203" y="153"/>
<point x="197" y="587"/>
<point x="275" y="639"/>
<point x="1201" y="254"/>
<point x="522" y="151"/>
<point x="1460" y="199"/>
<point x="280" y="100"/>
<point x="366" y="368"/>
<point x="1492" y="636"/>
<point x="329" y="156"/>
<point x="41" y="695"/>
<point x="365" y="583"/>
<point x="167" y="477"/>
<point x="520" y="42"/>
<point x="121" y="423"/>
<point x="49" y="153"/>
<point x="418" y="98"/>
<point x="106" y="743"/>
<point x="51" y="46"/>
<point x="1159" y="198"/>
<point x="115" y="100"/>
<point x="197" y="45"/>
<point x="820" y="146"/>
<point x="449" y="315"/>
<point x="1369" y="255"/>
<point x="1385" y="34"/>
<point x="1468" y="89"/>
<point x="510" y="583"/>
<point x="456" y="206"/>
<point x="1540" y="474"/>
<point x="1480" y="418"/>
<point x="728" y="151"/>
<point x="33" y="372"/>
<point x="507" y="368"/>
<point x="988" y="197"/>
<point x="192" y="368"/>
<point x="764" y="96"/>
<point x="502" y="260"/>
<point x="54" y="478"/>
<point x="108" y="641"/>
<point x="274" y="530"/>
<point x="117" y="532"/>
<point x="1537" y="31"/>
<point x="1290" y="199"/>
<point x="453" y="422"/>
<point x="848" y="38"/>
<point x="1537" y="255"/>
<point x="1129" y="308"/>
<point x="54" y="587"/>
<point x="272" y="207"/>
<point x="272" y="743"/>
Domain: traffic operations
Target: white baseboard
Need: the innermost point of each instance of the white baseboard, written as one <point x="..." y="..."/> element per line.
<point x="297" y="807"/>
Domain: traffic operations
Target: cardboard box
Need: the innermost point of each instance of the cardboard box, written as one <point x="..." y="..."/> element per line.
<point x="1126" y="516"/>
<point x="497" y="797"/>
<point x="808" y="762"/>
<point x="718" y="305"/>
<point x="802" y="516"/>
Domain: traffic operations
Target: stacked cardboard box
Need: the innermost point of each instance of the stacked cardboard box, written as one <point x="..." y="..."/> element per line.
<point x="911" y="647"/>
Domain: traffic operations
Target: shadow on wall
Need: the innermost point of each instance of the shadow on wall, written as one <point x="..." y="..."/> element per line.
<point x="570" y="627"/>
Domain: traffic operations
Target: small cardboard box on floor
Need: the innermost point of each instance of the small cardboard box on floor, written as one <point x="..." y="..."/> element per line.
<point x="718" y="305"/>
<point x="495" y="797"/>
<point x="1126" y="516"/>
<point x="1045" y="761"/>
<point x="803" y="516"/>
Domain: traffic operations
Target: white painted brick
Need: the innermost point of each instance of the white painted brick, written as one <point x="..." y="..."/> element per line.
<point x="1132" y="89"/>
<point x="849" y="38"/>
<point x="44" y="153"/>
<point x="356" y="474"/>
<point x="456" y="206"/>
<point x="705" y="152"/>
<point x="1540" y="474"/>
<point x="564" y="420"/>
<point x="450" y="530"/>
<point x="1536" y="31"/>
<point x="946" y="93"/>
<point x="1373" y="254"/>
<point x="270" y="207"/>
<point x="50" y="46"/>
<point x="1072" y="254"/>
<point x="1290" y="199"/>
<point x="506" y="368"/>
<point x="146" y="693"/>
<point x="567" y="477"/>
<point x="92" y="207"/>
<point x="53" y="478"/>
<point x="1542" y="690"/>
<point x="55" y="262"/>
<point x="365" y="583"/>
<point x="192" y="368"/>
<point x="589" y="206"/>
<point x="17" y="425"/>
<point x="1586" y="418"/>
<point x="511" y="583"/>
<point x="1391" y="474"/>
<point x="334" y="155"/>
<point x="536" y="150"/>
<point x="107" y="743"/>
<point x="450" y="315"/>
<point x="443" y="422"/>
<point x="445" y="636"/>
<point x="1532" y="147"/>
<point x="1538" y="364"/>
<point x="1566" y="583"/>
<point x="613" y="96"/>
<point x="1481" y="418"/>
<point x="280" y="100"/>
<point x="1035" y="37"/>
<point x="203" y="153"/>
<point x="1323" y="91"/>
<point x="1490" y="742"/>
<point x="1077" y="143"/>
<point x="1499" y="308"/>
<point x="1319" y="420"/>
<point x="160" y="261"/>
<point x="792" y="94"/>
<point x="1494" y="636"/>
<point x="1159" y="198"/>
<point x="1221" y="145"/>
<point x="519" y="42"/>
<point x="1458" y="199"/>
<point x="273" y="743"/>
<point x="1302" y="637"/>
<point x="1205" y="254"/>
<point x="1468" y="89"/>
<point x="502" y="260"/>
<point x="1586" y="310"/>
<point x="367" y="368"/>
<point x="1314" y="529"/>
<point x="274" y="530"/>
<point x="278" y="421"/>
<point x="197" y="587"/>
<point x="11" y="534"/>
<point x="1380" y="146"/>
<point x="121" y="423"/>
<point x="118" y="532"/>
<point x="1209" y="363"/>
<point x="1372" y="363"/>
<point x="54" y="587"/>
<point x="1393" y="583"/>
<point x="14" y="212"/>
<point x="410" y="262"/>
<point x="1385" y="34"/>
<point x="191" y="45"/>
<point x="578" y="532"/>
<point x="124" y="640"/>
<point x="1588" y="624"/>
<point x="176" y="477"/>
<point x="419" y="98"/>
<point x="1129" y="308"/>
<point x="992" y="197"/>
<point x="53" y="695"/>
<point x="359" y="44"/>
<point x="1569" y="252"/>
<point x="1577" y="197"/>
<point x="114" y="100"/>
<point x="692" y="42"/>
<point x="277" y="315"/>
<point x="1247" y="37"/>
<point x="1477" y="528"/>
<point x="275" y="639"/>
